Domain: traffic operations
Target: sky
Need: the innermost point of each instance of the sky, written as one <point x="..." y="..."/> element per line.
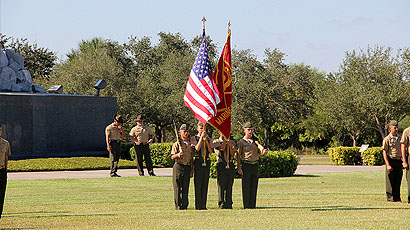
<point x="314" y="32"/>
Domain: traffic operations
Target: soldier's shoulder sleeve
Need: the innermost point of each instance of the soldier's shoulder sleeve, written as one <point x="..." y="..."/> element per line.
<point x="132" y="131"/>
<point x="8" y="148"/>
<point x="174" y="148"/>
<point x="385" y="143"/>
<point x="405" y="137"/>
<point x="108" y="129"/>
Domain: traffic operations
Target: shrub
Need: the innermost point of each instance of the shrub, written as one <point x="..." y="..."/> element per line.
<point x="160" y="154"/>
<point x="345" y="155"/>
<point x="273" y="164"/>
<point x="125" y="150"/>
<point x="373" y="156"/>
<point x="278" y="164"/>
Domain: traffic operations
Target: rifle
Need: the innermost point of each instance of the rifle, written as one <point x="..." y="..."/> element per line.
<point x="179" y="143"/>
<point x="205" y="148"/>
<point x="256" y="140"/>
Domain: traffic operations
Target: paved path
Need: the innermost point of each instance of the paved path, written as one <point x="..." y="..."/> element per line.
<point x="167" y="172"/>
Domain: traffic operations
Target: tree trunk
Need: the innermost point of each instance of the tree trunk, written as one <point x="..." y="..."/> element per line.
<point x="265" y="136"/>
<point x="157" y="133"/>
<point x="163" y="133"/>
<point x="354" y="139"/>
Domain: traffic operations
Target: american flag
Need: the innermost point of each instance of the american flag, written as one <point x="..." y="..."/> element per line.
<point x="201" y="94"/>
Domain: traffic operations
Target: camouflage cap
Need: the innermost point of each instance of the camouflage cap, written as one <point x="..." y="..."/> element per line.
<point x="393" y="123"/>
<point x="183" y="128"/>
<point x="118" y="118"/>
<point x="200" y="124"/>
<point x="248" y="125"/>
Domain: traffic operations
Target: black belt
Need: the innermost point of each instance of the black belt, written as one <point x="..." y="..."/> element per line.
<point x="142" y="144"/>
<point x="183" y="164"/>
<point x="200" y="158"/>
<point x="249" y="162"/>
<point x="115" y="141"/>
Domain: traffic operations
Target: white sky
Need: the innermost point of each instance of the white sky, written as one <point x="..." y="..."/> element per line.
<point x="315" y="32"/>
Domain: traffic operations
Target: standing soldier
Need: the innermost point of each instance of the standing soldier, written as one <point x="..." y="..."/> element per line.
<point x="4" y="156"/>
<point x="249" y="150"/>
<point x="202" y="164"/>
<point x="113" y="135"/>
<point x="392" y="157"/>
<point x="141" y="135"/>
<point x="225" y="170"/>
<point x="405" y="141"/>
<point x="182" y="152"/>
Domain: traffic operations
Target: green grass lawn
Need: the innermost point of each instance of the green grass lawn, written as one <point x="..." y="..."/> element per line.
<point x="353" y="200"/>
<point x="71" y="163"/>
<point x="315" y="160"/>
<point x="94" y="163"/>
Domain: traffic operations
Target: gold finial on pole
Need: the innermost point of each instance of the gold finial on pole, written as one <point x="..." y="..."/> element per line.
<point x="229" y="25"/>
<point x="203" y="21"/>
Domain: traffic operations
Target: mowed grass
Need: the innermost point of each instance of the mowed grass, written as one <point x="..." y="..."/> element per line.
<point x="353" y="200"/>
<point x="315" y="160"/>
<point x="70" y="163"/>
<point x="95" y="163"/>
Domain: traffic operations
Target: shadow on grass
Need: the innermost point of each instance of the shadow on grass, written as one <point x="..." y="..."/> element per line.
<point x="337" y="208"/>
<point x="305" y="175"/>
<point x="43" y="214"/>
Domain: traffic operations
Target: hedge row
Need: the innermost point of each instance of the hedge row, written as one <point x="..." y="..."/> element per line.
<point x="273" y="164"/>
<point x="352" y="156"/>
<point x="160" y="153"/>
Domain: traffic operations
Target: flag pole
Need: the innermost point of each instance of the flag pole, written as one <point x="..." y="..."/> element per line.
<point x="203" y="21"/>
<point x="229" y="25"/>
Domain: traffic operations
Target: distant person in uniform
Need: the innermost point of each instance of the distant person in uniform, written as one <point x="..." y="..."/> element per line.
<point x="113" y="135"/>
<point x="182" y="170"/>
<point x="202" y="165"/>
<point x="394" y="165"/>
<point x="141" y="135"/>
<point x="225" y="152"/>
<point x="405" y="141"/>
<point x="249" y="150"/>
<point x="4" y="156"/>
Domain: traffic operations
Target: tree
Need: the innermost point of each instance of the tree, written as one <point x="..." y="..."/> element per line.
<point x="270" y="92"/>
<point x="92" y="61"/>
<point x="369" y="90"/>
<point x="163" y="71"/>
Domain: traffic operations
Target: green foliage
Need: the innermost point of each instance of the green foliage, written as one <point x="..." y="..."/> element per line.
<point x="273" y="164"/>
<point x="374" y="75"/>
<point x="126" y="150"/>
<point x="373" y="156"/>
<point x="214" y="162"/>
<point x="160" y="153"/>
<point x="278" y="164"/>
<point x="345" y="155"/>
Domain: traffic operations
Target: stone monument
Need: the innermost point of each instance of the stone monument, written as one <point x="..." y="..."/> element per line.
<point x="40" y="124"/>
<point x="13" y="76"/>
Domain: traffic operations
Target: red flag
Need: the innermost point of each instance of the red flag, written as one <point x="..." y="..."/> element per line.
<point x="201" y="95"/>
<point x="223" y="81"/>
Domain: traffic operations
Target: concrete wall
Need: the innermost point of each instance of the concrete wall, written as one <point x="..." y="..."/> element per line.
<point x="53" y="125"/>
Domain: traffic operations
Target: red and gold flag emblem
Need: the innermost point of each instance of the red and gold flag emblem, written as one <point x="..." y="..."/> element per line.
<point x="223" y="81"/>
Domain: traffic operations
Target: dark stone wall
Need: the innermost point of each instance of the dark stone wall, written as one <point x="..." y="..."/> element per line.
<point x="55" y="125"/>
